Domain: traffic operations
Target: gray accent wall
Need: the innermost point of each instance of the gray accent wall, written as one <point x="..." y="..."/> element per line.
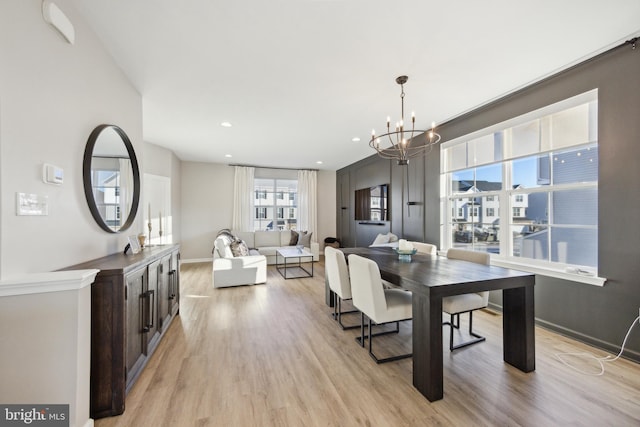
<point x="597" y="315"/>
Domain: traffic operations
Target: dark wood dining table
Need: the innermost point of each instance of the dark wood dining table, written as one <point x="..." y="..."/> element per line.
<point x="432" y="278"/>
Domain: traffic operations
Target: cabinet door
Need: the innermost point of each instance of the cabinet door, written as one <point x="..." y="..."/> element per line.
<point x="174" y="288"/>
<point x="135" y="337"/>
<point x="164" y="291"/>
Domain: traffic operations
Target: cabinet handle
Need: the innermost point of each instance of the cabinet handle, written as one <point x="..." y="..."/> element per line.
<point x="148" y="310"/>
<point x="174" y="277"/>
<point x="172" y="284"/>
<point x="152" y="294"/>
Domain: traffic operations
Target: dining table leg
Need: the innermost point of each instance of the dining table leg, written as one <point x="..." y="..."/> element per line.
<point x="518" y="328"/>
<point x="427" y="346"/>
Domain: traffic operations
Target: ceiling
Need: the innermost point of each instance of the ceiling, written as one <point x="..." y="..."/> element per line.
<point x="299" y="79"/>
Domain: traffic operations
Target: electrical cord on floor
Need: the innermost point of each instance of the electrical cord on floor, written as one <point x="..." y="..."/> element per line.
<point x="601" y="360"/>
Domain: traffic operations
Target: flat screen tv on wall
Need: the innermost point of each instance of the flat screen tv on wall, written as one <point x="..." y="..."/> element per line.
<point x="372" y="203"/>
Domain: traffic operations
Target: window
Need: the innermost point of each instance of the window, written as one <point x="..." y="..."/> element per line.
<point x="105" y="181"/>
<point x="276" y="204"/>
<point x="536" y="179"/>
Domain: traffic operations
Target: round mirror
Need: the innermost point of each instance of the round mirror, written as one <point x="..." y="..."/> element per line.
<point x="111" y="178"/>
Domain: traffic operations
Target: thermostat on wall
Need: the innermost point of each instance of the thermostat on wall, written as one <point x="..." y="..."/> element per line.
<point x="52" y="174"/>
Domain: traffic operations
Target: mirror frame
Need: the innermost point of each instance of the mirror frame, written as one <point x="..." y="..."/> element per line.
<point x="86" y="177"/>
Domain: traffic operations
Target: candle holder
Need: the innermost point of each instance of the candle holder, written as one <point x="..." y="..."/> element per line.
<point x="404" y="255"/>
<point x="160" y="233"/>
<point x="141" y="239"/>
<point x="149" y="226"/>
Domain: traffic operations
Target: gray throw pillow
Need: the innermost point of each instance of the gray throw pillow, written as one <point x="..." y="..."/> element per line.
<point x="305" y="239"/>
<point x="239" y="248"/>
<point x="294" y="238"/>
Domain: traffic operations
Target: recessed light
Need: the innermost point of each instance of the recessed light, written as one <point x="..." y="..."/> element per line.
<point x="228" y="155"/>
<point x="319" y="162"/>
<point x="355" y="139"/>
<point x="226" y="124"/>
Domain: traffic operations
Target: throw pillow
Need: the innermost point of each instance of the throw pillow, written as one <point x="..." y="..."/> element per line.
<point x="305" y="239"/>
<point x="294" y="238"/>
<point x="380" y="239"/>
<point x="239" y="248"/>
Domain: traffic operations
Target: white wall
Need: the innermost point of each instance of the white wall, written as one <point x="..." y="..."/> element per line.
<point x="163" y="162"/>
<point x="326" y="206"/>
<point x="207" y="206"/>
<point x="52" y="94"/>
<point x="55" y="324"/>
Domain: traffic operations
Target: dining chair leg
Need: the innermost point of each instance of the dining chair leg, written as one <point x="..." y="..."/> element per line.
<point x="386" y="359"/>
<point x="361" y="330"/>
<point x="478" y="338"/>
<point x="340" y="313"/>
<point x="363" y="337"/>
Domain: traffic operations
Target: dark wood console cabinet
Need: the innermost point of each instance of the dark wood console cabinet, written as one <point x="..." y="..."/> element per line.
<point x="133" y="300"/>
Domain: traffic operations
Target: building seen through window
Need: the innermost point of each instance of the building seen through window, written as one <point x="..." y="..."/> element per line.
<point x="275" y="204"/>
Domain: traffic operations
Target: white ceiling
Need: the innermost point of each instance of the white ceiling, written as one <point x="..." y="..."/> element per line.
<point x="298" y="79"/>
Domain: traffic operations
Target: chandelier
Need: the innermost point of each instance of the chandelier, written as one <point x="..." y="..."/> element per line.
<point x="399" y="144"/>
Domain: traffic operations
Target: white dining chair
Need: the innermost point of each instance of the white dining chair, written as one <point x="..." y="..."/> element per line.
<point x="380" y="305"/>
<point x="337" y="274"/>
<point x="465" y="303"/>
<point x="425" y="248"/>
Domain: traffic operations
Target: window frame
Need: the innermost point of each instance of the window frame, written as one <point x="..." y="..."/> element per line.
<point x="279" y="211"/>
<point x="508" y="196"/>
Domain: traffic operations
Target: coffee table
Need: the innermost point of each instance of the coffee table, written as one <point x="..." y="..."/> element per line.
<point x="292" y="259"/>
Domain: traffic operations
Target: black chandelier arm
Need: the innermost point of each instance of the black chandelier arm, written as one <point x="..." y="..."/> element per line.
<point x="399" y="152"/>
<point x="399" y="133"/>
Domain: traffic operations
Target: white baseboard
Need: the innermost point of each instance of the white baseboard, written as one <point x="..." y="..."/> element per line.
<point x="193" y="260"/>
<point x="89" y="423"/>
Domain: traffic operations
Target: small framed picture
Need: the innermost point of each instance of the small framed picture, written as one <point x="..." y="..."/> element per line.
<point x="134" y="243"/>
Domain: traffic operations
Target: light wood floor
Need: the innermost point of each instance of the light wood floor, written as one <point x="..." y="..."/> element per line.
<point x="271" y="355"/>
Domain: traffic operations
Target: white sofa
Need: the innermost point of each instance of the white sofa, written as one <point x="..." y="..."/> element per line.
<point x="229" y="270"/>
<point x="267" y="242"/>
